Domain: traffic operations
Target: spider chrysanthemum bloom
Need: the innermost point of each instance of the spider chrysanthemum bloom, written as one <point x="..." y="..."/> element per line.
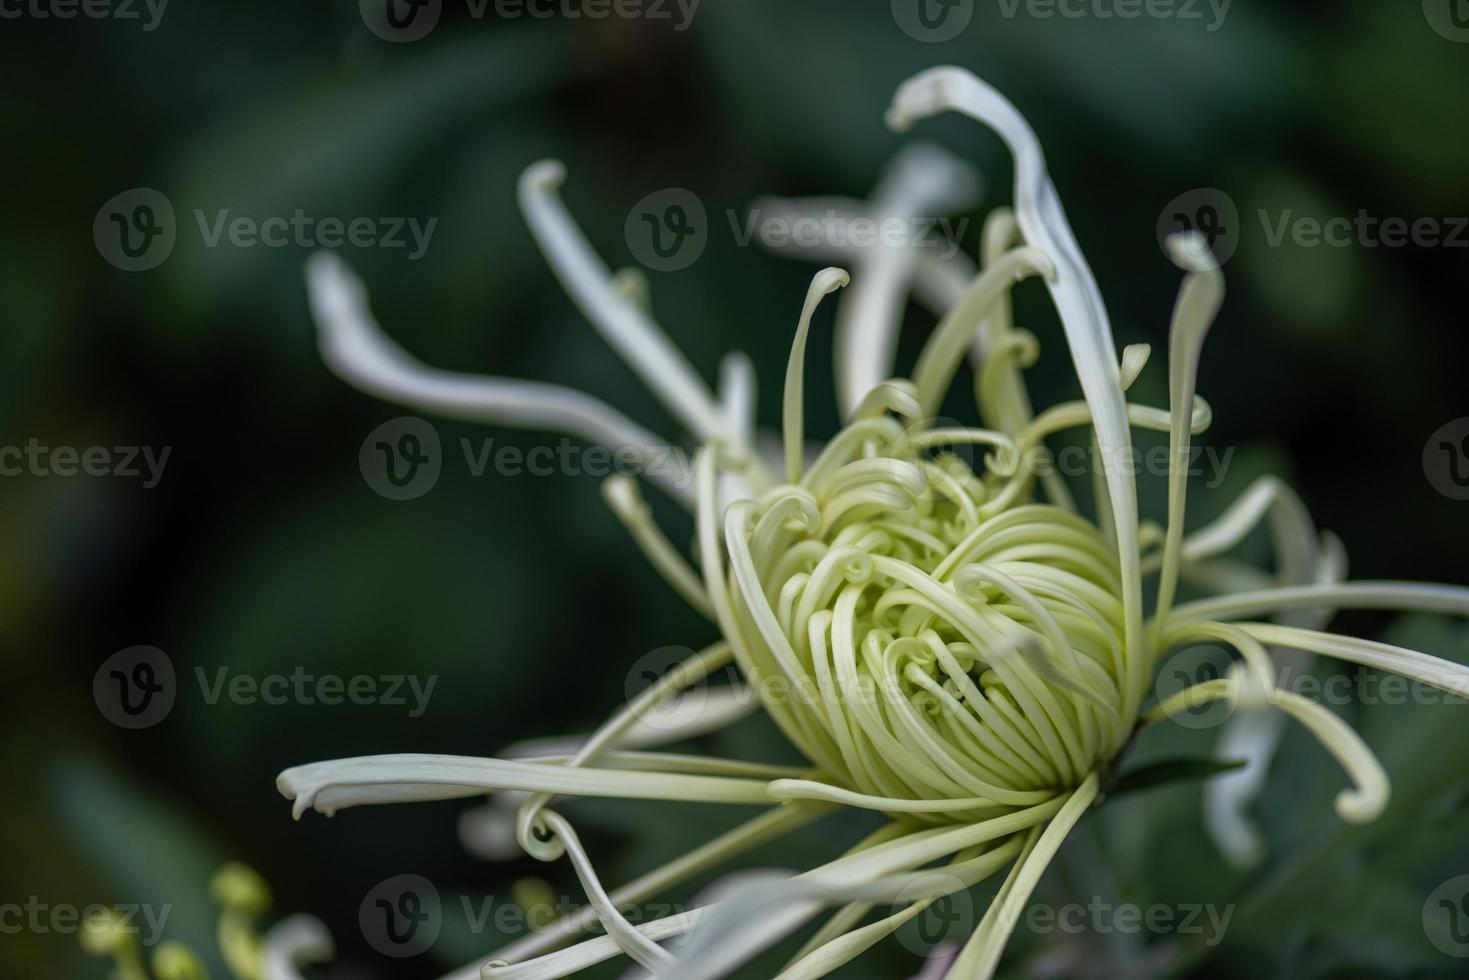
<point x="921" y="608"/>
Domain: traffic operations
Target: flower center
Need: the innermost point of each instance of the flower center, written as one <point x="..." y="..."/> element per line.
<point x="922" y="631"/>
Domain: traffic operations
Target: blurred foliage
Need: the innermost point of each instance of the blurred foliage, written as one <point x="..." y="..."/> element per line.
<point x="262" y="549"/>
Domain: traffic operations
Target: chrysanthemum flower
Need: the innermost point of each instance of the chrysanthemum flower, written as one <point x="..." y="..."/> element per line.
<point x="956" y="647"/>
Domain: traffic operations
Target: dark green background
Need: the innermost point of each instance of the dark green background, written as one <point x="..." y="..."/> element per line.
<point x="263" y="549"/>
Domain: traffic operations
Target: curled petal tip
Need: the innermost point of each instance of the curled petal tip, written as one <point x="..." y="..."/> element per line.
<point x="1359" y="805"/>
<point x="543" y="175"/>
<point x="829" y="280"/>
<point x="332" y="286"/>
<point x="292" y="943"/>
<point x="925" y="94"/>
<point x="321" y="263"/>
<point x="287" y="785"/>
<point x="621" y="493"/>
<point x="1190" y="251"/>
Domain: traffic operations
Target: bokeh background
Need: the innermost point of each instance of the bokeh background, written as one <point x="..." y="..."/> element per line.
<point x="262" y="549"/>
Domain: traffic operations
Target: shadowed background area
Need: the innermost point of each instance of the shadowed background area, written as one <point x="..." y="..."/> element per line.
<point x="262" y="550"/>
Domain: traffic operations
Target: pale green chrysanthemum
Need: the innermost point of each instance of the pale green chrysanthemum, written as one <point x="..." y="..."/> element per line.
<point x="955" y="647"/>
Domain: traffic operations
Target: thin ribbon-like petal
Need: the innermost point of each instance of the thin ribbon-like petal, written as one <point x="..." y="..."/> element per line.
<point x="1078" y="301"/>
<point x="355" y="347"/>
<point x="621" y="321"/>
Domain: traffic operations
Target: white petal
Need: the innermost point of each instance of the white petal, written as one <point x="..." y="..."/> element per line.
<point x="292" y="943"/>
<point x="1401" y="596"/>
<point x="1434" y="671"/>
<point x="341" y="783"/>
<point x="922" y="181"/>
<point x="620" y="320"/>
<point x="737" y="393"/>
<point x="1078" y="301"/>
<point x="355" y="347"/>
<point x="632" y="942"/>
<point x="793" y="406"/>
<point x="1250" y="736"/>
